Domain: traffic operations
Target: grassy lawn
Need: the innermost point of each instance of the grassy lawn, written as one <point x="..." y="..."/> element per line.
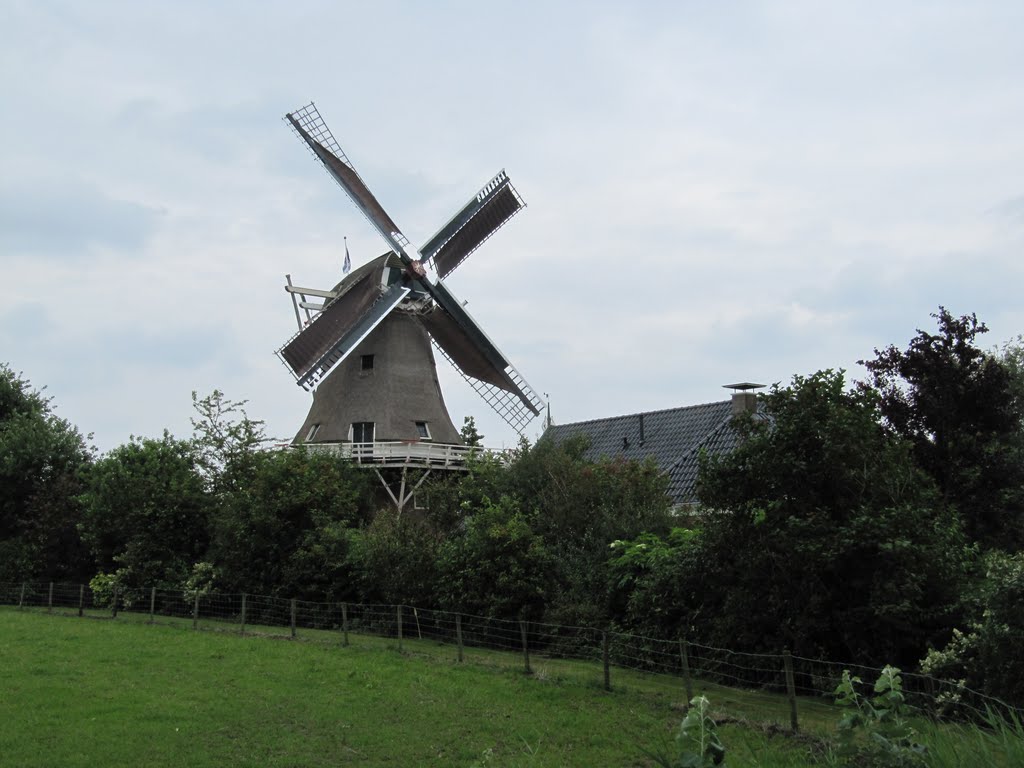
<point x="87" y="692"/>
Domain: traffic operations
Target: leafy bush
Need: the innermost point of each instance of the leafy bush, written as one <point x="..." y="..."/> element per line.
<point x="144" y="512"/>
<point x="987" y="657"/>
<point x="496" y="566"/>
<point x="201" y="581"/>
<point x="395" y="558"/>
<point x="41" y="457"/>
<point x="287" y="529"/>
<point x="105" y="585"/>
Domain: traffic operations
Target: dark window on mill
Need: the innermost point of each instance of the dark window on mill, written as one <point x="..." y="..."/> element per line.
<point x="366" y="363"/>
<point x="362" y="432"/>
<point x="422" y="430"/>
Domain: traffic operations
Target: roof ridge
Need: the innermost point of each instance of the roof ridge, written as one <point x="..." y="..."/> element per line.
<point x="644" y="413"/>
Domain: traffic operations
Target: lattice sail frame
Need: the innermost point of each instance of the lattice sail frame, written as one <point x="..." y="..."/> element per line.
<point x="308" y="118"/>
<point x="510" y="406"/>
<point x="517" y="409"/>
<point x="467" y="220"/>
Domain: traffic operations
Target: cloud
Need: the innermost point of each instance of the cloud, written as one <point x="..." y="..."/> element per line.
<point x="66" y="219"/>
<point x="714" y="193"/>
<point x="1011" y="210"/>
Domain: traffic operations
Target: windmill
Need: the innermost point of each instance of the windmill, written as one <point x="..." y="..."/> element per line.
<point x="365" y="349"/>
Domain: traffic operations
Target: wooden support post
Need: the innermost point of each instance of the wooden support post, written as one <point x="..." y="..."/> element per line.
<point x="344" y="624"/>
<point x="684" y="659"/>
<point x="458" y="633"/>
<point x="81" y="600"/>
<point x="399" y="627"/>
<point x="526" y="647"/>
<point x="152" y="605"/>
<point x="21" y="598"/>
<point x="113" y="605"/>
<point x="401" y="491"/>
<point x="241" y="629"/>
<point x="195" y="612"/>
<point x="416" y="615"/>
<point x="293" y="618"/>
<point x="604" y="659"/>
<point x="49" y="602"/>
<point x="787" y="660"/>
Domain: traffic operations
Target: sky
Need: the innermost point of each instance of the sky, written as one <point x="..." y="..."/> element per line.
<point x="716" y="192"/>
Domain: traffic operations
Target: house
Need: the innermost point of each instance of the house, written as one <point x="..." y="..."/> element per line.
<point x="673" y="438"/>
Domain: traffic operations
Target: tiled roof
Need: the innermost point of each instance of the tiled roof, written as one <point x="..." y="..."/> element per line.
<point x="673" y="438"/>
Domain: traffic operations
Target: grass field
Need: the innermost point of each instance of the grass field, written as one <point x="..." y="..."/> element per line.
<point x="96" y="692"/>
<point x="99" y="692"/>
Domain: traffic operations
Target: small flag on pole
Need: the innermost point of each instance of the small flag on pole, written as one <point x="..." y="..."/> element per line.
<point x="347" y="266"/>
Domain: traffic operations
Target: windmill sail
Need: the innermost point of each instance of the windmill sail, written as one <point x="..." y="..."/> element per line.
<point x="481" y="217"/>
<point x="463" y="342"/>
<point x="311" y="128"/>
<point x="339" y="328"/>
<point x="518" y="407"/>
<point x="464" y="351"/>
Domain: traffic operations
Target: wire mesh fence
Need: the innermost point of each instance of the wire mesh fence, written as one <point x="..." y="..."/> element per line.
<point x="588" y="655"/>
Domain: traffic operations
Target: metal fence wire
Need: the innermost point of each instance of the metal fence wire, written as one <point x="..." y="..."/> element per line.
<point x="582" y="653"/>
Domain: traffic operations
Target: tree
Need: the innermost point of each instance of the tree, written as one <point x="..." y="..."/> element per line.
<point x="962" y="409"/>
<point x="658" y="586"/>
<point x="41" y="456"/>
<point x="828" y="539"/>
<point x="396" y="558"/>
<point x="145" y="512"/>
<point x="470" y="435"/>
<point x="497" y="566"/>
<point x="289" y="528"/>
<point x="225" y="439"/>
<point x="1011" y="355"/>
<point x="577" y="507"/>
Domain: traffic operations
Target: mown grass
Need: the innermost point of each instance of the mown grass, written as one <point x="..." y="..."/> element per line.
<point x="92" y="691"/>
<point x="817" y="716"/>
<point x="81" y="692"/>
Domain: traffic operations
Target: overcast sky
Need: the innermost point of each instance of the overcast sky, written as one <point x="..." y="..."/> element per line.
<point x="716" y="192"/>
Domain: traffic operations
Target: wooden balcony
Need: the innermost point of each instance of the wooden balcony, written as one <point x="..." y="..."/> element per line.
<point x="402" y="453"/>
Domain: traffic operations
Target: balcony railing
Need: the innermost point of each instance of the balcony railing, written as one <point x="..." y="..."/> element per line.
<point x="402" y="453"/>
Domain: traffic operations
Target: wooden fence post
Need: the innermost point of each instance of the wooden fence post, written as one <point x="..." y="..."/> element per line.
<point x="526" y="647"/>
<point x="113" y="606"/>
<point x="241" y="629"/>
<point x="21" y="598"/>
<point x="152" y="605"/>
<point x="399" y="627"/>
<point x="344" y="624"/>
<point x="458" y="633"/>
<point x="49" y="601"/>
<point x="787" y="660"/>
<point x="195" y="612"/>
<point x="604" y="659"/>
<point x="684" y="659"/>
<point x="81" y="600"/>
<point x="293" y="618"/>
